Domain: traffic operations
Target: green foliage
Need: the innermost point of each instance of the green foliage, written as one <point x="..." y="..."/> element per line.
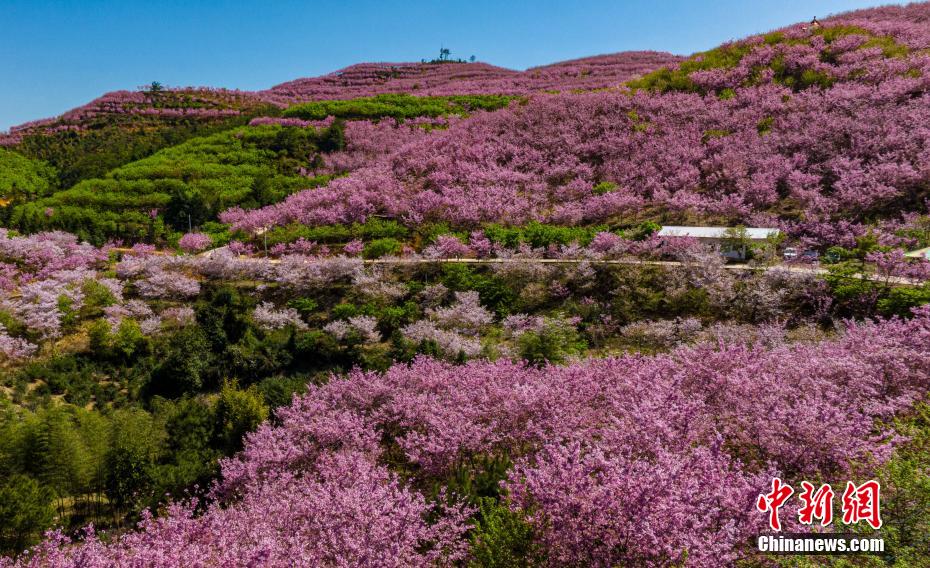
<point x="713" y="133"/>
<point x="183" y="365"/>
<point x="643" y="231"/>
<point x="248" y="166"/>
<point x="906" y="493"/>
<point x="130" y="460"/>
<point x="25" y="512"/>
<point x="665" y="79"/>
<point x="69" y="376"/>
<point x="381" y="247"/>
<point x="495" y="292"/>
<point x="899" y="301"/>
<point x="541" y="235"/>
<point x="223" y="316"/>
<point x="502" y="538"/>
<point x="429" y="232"/>
<point x="848" y="290"/>
<point x="22" y="179"/>
<point x="397" y="106"/>
<point x="344" y="311"/>
<point x="238" y="412"/>
<point x="333" y="139"/>
<point x="55" y="452"/>
<point x="856" y="296"/>
<point x="96" y="297"/>
<point x="279" y="391"/>
<point x="889" y="47"/>
<point x="130" y="478"/>
<point x="305" y="306"/>
<point x="918" y="230"/>
<point x="128" y="339"/>
<point x="373" y="228"/>
<point x="392" y="318"/>
<point x="799" y="78"/>
<point x="764" y="126"/>
<point x="109" y="145"/>
<point x="729" y="56"/>
<point x="604" y="187"/>
<point x="551" y="345"/>
<point x="188" y="454"/>
<point x="98" y="333"/>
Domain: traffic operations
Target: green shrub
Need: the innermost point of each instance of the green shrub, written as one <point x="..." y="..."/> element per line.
<point x="502" y="538"/>
<point x="541" y="235"/>
<point x="22" y="179"/>
<point x="397" y="106"/>
<point x="237" y="413"/>
<point x="305" y="306"/>
<point x="901" y="300"/>
<point x="556" y="341"/>
<point x="344" y="311"/>
<point x="495" y="292"/>
<point x="279" y="391"/>
<point x="381" y="247"/>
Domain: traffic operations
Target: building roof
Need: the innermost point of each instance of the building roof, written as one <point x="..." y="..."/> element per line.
<point x="919" y="253"/>
<point x="752" y="233"/>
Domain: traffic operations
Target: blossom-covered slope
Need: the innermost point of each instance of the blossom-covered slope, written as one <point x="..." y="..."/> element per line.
<point x="818" y="130"/>
<point x="634" y="461"/>
<point x="364" y="79"/>
<point x="135" y="109"/>
<point x="368" y="79"/>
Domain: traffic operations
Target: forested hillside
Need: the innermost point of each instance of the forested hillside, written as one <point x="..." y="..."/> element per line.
<point x="423" y="314"/>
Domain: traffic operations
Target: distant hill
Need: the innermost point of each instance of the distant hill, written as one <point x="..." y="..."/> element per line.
<point x="470" y="78"/>
<point x="204" y="104"/>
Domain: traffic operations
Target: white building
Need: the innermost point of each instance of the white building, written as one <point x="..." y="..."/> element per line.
<point x="722" y="236"/>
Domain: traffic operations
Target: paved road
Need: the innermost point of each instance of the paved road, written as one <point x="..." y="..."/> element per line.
<point x="796" y="268"/>
<point x="814" y="270"/>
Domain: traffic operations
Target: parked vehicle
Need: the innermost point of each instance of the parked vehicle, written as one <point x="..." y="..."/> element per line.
<point x="809" y="256"/>
<point x="832" y="256"/>
<point x="790" y="254"/>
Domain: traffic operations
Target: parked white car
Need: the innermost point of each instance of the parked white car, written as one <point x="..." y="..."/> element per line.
<point x="790" y="253"/>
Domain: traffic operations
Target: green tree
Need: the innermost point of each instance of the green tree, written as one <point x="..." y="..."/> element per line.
<point x="736" y="239"/>
<point x="238" y="412"/>
<point x="128" y="340"/>
<point x="130" y="462"/>
<point x="186" y="209"/>
<point x="25" y="512"/>
<point x="333" y="139"/>
<point x="129" y="478"/>
<point x="189" y="456"/>
<point x="552" y="344"/>
<point x="56" y="454"/>
<point x="184" y="360"/>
